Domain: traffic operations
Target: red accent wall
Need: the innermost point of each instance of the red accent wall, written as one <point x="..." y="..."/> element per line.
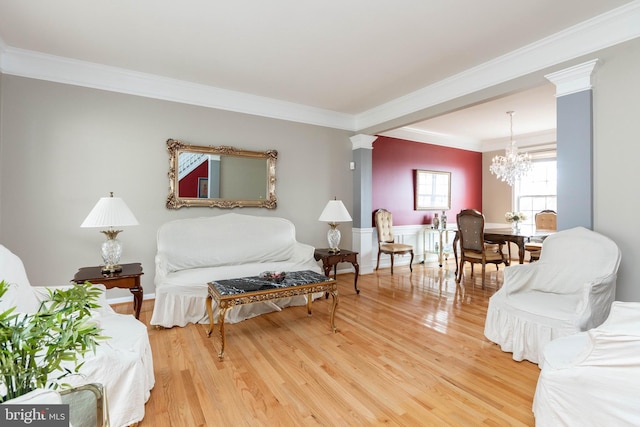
<point x="394" y="162"/>
<point x="188" y="186"/>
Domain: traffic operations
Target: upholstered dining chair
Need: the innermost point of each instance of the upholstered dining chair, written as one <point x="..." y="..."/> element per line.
<point x="545" y="220"/>
<point x="473" y="248"/>
<point x="386" y="241"/>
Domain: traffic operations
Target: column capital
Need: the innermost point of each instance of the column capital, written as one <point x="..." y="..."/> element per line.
<point x="573" y="79"/>
<point x="362" y="141"/>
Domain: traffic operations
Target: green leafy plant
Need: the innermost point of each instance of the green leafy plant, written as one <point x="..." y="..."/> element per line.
<point x="33" y="346"/>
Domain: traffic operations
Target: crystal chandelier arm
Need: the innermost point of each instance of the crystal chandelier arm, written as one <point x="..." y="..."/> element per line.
<point x="513" y="165"/>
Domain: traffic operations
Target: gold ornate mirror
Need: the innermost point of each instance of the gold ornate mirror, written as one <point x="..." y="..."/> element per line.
<point x="222" y="177"/>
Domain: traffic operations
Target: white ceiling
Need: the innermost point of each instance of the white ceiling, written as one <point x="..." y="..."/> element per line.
<point x="486" y="126"/>
<point x="348" y="63"/>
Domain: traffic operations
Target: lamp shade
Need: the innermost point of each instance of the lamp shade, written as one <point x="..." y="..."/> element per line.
<point x="110" y="212"/>
<point x="335" y="211"/>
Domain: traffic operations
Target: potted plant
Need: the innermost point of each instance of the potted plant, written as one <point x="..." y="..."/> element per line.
<point x="33" y="346"/>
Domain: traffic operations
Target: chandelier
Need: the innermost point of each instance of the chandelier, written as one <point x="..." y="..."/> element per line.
<point x="512" y="165"/>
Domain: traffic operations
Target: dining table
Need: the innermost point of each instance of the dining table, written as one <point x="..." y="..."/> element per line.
<point x="502" y="235"/>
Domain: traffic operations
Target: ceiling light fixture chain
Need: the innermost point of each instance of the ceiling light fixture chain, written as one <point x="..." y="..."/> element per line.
<point x="513" y="165"/>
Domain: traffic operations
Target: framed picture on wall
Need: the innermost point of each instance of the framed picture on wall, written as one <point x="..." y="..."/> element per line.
<point x="203" y="188"/>
<point x="433" y="190"/>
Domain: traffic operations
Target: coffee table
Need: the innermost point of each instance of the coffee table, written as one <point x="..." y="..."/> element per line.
<point x="249" y="290"/>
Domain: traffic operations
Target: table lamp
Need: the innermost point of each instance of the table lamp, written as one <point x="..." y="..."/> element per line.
<point x="110" y="212"/>
<point x="334" y="213"/>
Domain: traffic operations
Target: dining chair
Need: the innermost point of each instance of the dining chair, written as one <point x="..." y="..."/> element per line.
<point x="386" y="241"/>
<point x="473" y="248"/>
<point x="545" y="220"/>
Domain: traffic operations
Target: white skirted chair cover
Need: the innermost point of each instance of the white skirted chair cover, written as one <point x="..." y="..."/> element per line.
<point x="122" y="364"/>
<point x="569" y="290"/>
<point x="593" y="378"/>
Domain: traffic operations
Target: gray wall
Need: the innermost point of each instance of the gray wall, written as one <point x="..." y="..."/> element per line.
<point x="616" y="97"/>
<point x="63" y="147"/>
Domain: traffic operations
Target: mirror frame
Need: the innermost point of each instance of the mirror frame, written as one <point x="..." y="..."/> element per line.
<point x="174" y="201"/>
<point x="431" y="176"/>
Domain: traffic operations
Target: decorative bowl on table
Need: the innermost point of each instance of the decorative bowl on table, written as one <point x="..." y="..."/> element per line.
<point x="273" y="276"/>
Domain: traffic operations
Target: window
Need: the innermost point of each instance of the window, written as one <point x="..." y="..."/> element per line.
<point x="433" y="190"/>
<point x="536" y="191"/>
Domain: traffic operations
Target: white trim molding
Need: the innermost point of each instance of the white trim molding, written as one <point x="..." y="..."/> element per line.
<point x="535" y="140"/>
<point x="361" y="242"/>
<point x="40" y="66"/>
<point x="611" y="28"/>
<point x="574" y="79"/>
<point x="435" y="138"/>
<point x="362" y="141"/>
<point x="606" y="30"/>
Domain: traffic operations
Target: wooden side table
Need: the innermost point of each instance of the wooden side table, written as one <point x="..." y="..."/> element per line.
<point x="331" y="259"/>
<point x="129" y="278"/>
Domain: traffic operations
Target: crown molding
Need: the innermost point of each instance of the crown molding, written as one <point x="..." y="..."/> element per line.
<point x="41" y="66"/>
<point x="534" y="139"/>
<point x="606" y="30"/>
<point x="603" y="31"/>
<point x="362" y="141"/>
<point x="574" y="79"/>
<point x="428" y="137"/>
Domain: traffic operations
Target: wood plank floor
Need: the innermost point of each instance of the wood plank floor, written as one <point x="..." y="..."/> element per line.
<point x="409" y="350"/>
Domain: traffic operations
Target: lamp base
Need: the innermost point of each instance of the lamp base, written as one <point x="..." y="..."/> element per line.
<point x="111" y="250"/>
<point x="333" y="237"/>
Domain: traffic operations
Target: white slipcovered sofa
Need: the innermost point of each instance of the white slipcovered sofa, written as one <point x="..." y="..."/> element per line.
<point x="593" y="378"/>
<point x="192" y="252"/>
<point x="122" y="364"/>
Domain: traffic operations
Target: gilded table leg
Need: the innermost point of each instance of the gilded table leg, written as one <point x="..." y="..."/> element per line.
<point x="210" y="313"/>
<point x="309" y="299"/>
<point x="221" y="317"/>
<point x="334" y="294"/>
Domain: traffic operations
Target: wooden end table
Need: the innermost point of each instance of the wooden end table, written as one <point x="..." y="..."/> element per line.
<point x="128" y="278"/>
<point x="331" y="259"/>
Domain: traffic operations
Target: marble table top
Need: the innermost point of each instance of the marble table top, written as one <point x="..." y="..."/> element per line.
<point x="255" y="283"/>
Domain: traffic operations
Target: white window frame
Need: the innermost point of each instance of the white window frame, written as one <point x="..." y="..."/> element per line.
<point x="551" y="198"/>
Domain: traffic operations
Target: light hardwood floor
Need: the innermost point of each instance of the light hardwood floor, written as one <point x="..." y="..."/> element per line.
<point x="409" y="350"/>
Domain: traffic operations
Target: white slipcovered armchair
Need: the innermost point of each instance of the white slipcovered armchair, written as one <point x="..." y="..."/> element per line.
<point x="569" y="290"/>
<point x="593" y="378"/>
<point x="122" y="364"/>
